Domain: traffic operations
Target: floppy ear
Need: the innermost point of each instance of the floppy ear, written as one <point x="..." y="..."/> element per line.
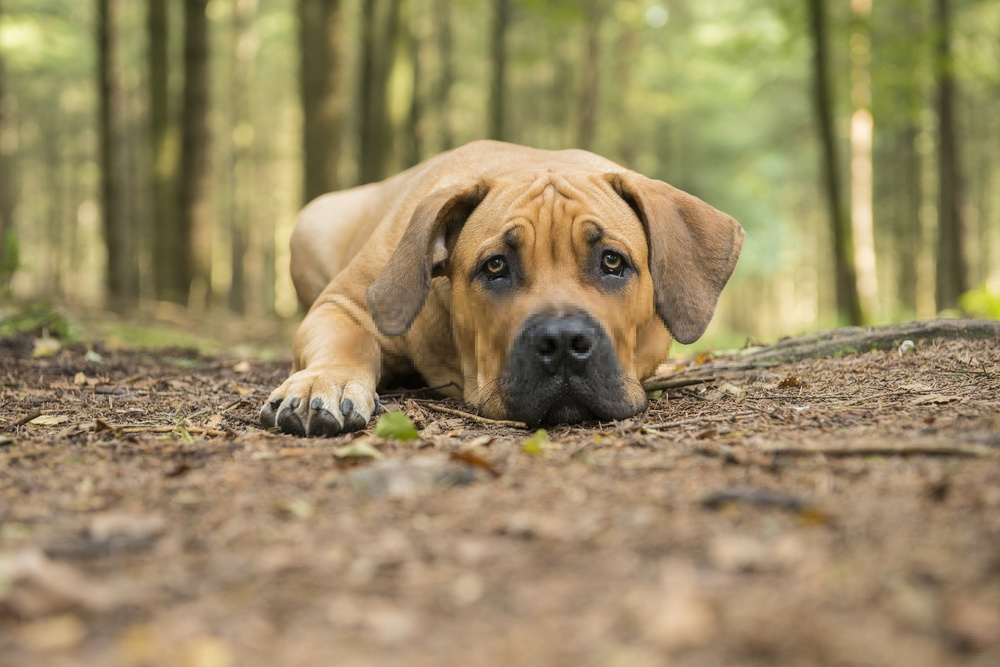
<point x="693" y="250"/>
<point x="398" y="294"/>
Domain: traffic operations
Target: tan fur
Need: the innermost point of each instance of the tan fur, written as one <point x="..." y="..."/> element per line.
<point x="412" y="243"/>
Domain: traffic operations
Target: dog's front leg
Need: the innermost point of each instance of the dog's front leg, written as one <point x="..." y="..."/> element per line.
<point x="337" y="364"/>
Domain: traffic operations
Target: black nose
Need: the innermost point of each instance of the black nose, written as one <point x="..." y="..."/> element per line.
<point x="563" y="342"/>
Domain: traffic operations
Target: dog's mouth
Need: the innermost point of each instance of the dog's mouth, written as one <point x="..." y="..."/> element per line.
<point x="562" y="369"/>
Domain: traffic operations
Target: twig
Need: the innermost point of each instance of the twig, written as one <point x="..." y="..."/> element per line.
<point x="418" y="390"/>
<point x="672" y="382"/>
<point x="25" y="419"/>
<point x="469" y="416"/>
<point x="194" y="430"/>
<point x="694" y="420"/>
<point x="933" y="448"/>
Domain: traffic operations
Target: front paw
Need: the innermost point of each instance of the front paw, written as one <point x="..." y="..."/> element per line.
<point x="320" y="402"/>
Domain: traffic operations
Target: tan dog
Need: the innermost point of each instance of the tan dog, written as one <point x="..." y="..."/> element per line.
<point x="538" y="286"/>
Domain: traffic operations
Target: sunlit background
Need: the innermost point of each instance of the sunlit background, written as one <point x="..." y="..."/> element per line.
<point x="717" y="97"/>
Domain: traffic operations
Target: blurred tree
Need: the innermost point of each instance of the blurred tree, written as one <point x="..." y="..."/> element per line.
<point x="379" y="24"/>
<point x="319" y="37"/>
<point x="446" y="73"/>
<point x="498" y="64"/>
<point x="195" y="176"/>
<point x="589" y="91"/>
<point x="8" y="237"/>
<point x="122" y="266"/>
<point x="242" y="53"/>
<point x="410" y="40"/>
<point x="952" y="278"/>
<point x="862" y="139"/>
<point x="845" y="282"/>
<point x="169" y="276"/>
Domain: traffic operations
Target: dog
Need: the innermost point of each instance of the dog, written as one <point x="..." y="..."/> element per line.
<point x="539" y="286"/>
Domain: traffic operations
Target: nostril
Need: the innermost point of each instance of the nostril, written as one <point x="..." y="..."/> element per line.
<point x="580" y="345"/>
<point x="547" y="346"/>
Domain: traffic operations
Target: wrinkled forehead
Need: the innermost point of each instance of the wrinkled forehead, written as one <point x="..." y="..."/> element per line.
<point x="553" y="207"/>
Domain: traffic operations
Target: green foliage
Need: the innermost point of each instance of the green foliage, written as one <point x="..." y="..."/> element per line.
<point x="396" y="426"/>
<point x="10" y="259"/>
<point x="41" y="317"/>
<point x="537" y="444"/>
<point x="982" y="302"/>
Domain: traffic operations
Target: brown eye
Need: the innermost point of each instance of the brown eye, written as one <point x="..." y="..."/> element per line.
<point x="612" y="263"/>
<point x="495" y="267"/>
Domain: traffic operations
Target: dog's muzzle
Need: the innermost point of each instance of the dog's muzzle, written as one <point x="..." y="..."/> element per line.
<point x="563" y="369"/>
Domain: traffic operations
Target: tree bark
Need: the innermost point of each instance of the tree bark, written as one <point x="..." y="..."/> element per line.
<point x="379" y="20"/>
<point x="243" y="53"/>
<point x="848" y="301"/>
<point x="169" y="277"/>
<point x="319" y="22"/>
<point x="8" y="234"/>
<point x="446" y="73"/>
<point x="951" y="272"/>
<point x="121" y="272"/>
<point x="498" y="81"/>
<point x="194" y="215"/>
<point x="589" y="90"/>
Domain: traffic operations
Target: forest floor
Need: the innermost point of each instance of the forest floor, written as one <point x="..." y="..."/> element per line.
<point x="838" y="510"/>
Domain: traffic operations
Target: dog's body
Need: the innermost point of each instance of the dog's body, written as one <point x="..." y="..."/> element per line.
<point x="536" y="285"/>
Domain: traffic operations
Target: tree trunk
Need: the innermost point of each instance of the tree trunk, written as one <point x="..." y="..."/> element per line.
<point x="862" y="140"/>
<point x="414" y="143"/>
<point x="848" y="301"/>
<point x="194" y="216"/>
<point x="319" y="22"/>
<point x="244" y="50"/>
<point x="951" y="265"/>
<point x="121" y="273"/>
<point x="498" y="82"/>
<point x="379" y="23"/>
<point x="8" y="233"/>
<point x="446" y="73"/>
<point x="591" y="77"/>
<point x="169" y="275"/>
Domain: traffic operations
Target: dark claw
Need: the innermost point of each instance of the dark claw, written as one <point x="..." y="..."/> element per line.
<point x="269" y="412"/>
<point x="378" y="407"/>
<point x="289" y="422"/>
<point x="354" y="422"/>
<point x="322" y="423"/>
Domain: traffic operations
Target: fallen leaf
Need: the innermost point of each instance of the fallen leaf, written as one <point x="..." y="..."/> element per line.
<point x="242" y="367"/>
<point x="53" y="634"/>
<point x="791" y="382"/>
<point x="935" y="399"/>
<point x="80" y="378"/>
<point x="536" y="444"/>
<point x="49" y="420"/>
<point x="702" y="358"/>
<point x="45" y="348"/>
<point x="359" y="449"/>
<point x="92" y="357"/>
<point x="396" y="478"/>
<point x="475" y="460"/>
<point x="396" y="426"/>
<point x="6" y="440"/>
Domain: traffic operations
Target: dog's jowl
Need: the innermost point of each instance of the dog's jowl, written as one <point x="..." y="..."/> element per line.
<point x="538" y="286"/>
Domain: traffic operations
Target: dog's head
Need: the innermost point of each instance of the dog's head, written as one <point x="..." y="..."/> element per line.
<point x="561" y="283"/>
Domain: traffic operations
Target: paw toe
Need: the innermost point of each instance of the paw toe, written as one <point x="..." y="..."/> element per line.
<point x="323" y="423"/>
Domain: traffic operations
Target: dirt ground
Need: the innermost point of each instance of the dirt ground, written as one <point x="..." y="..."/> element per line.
<point x="835" y="511"/>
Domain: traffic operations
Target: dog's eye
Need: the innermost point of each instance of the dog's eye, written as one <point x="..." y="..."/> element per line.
<point x="496" y="267"/>
<point x="612" y="263"/>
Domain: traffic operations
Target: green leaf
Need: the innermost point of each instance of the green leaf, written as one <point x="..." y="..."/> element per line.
<point x="653" y="395"/>
<point x="359" y="449"/>
<point x="536" y="444"/>
<point x="396" y="426"/>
